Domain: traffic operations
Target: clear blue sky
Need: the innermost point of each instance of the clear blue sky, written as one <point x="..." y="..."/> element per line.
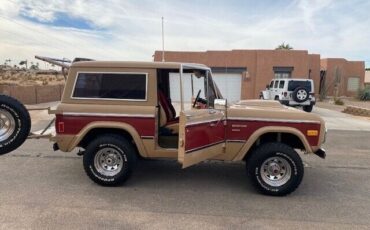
<point x="131" y="30"/>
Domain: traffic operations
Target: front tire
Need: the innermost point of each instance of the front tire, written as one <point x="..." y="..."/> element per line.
<point x="109" y="160"/>
<point x="275" y="169"/>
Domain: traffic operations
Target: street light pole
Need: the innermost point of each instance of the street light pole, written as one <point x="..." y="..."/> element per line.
<point x="162" y="40"/>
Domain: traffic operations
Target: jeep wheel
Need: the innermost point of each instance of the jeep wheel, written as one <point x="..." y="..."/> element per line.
<point x="300" y="94"/>
<point x="109" y="160"/>
<point x="308" y="108"/>
<point x="275" y="169"/>
<point x="15" y="124"/>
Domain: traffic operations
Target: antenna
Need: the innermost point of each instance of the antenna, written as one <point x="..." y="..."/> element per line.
<point x="162" y="39"/>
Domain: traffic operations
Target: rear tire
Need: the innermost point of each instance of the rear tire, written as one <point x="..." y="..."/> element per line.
<point x="109" y="160"/>
<point x="275" y="169"/>
<point x="15" y="124"/>
<point x="308" y="108"/>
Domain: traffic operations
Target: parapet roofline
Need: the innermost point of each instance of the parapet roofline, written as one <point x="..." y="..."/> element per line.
<point x="136" y="64"/>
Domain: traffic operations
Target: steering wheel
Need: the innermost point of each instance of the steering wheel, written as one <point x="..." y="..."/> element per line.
<point x="196" y="99"/>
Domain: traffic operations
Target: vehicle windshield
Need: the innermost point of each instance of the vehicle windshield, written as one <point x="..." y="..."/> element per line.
<point x="201" y="82"/>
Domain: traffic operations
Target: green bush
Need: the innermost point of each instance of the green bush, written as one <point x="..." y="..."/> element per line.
<point x="338" y="101"/>
<point x="364" y="94"/>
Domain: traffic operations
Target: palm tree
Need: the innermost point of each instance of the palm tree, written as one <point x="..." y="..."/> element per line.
<point x="284" y="46"/>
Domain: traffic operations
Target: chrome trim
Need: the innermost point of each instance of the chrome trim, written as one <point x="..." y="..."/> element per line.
<point x="271" y="120"/>
<point x="240" y="141"/>
<point x="204" y="146"/>
<point x="202" y="122"/>
<point x="108" y="114"/>
<point x="111" y="99"/>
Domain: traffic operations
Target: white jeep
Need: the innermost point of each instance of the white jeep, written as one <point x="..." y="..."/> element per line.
<point x="291" y="92"/>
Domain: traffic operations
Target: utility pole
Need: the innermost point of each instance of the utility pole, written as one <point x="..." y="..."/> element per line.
<point x="162" y="39"/>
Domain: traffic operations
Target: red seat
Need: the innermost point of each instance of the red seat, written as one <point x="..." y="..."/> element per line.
<point x="167" y="115"/>
<point x="167" y="107"/>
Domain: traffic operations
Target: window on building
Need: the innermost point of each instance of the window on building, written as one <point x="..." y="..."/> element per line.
<point x="281" y="75"/>
<point x="124" y="86"/>
<point x="281" y="72"/>
<point x="276" y="84"/>
<point x="353" y="84"/>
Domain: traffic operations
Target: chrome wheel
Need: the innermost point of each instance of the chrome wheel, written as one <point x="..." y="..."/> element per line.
<point x="108" y="162"/>
<point x="301" y="94"/>
<point x="7" y="125"/>
<point x="276" y="171"/>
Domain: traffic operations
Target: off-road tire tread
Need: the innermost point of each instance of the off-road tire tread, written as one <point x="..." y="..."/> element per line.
<point x="119" y="141"/>
<point x="294" y="95"/>
<point x="267" y="150"/>
<point x="308" y="108"/>
<point x="25" y="121"/>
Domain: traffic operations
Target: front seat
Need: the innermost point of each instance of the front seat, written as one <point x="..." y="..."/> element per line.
<point x="167" y="114"/>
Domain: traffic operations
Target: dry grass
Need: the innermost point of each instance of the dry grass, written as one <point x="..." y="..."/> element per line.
<point x="29" y="78"/>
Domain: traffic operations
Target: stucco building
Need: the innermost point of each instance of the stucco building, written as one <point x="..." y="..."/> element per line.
<point x="246" y="72"/>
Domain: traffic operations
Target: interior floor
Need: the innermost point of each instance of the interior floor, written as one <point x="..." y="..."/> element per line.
<point x="168" y="142"/>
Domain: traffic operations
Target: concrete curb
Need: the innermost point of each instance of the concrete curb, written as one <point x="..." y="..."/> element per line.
<point x="358" y="111"/>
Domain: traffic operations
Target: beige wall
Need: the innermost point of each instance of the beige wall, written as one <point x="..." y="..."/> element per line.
<point x="33" y="94"/>
<point x="367" y="77"/>
<point x="345" y="69"/>
<point x="259" y="64"/>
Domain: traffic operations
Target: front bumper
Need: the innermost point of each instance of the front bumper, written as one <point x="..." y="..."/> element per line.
<point x="321" y="153"/>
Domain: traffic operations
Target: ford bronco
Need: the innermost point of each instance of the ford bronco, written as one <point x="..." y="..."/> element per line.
<point x="119" y="111"/>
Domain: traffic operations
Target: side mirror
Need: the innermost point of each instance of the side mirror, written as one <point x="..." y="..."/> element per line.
<point x="220" y="104"/>
<point x="267" y="86"/>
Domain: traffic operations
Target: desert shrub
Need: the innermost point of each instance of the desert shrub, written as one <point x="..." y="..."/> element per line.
<point x="364" y="94"/>
<point x="338" y="101"/>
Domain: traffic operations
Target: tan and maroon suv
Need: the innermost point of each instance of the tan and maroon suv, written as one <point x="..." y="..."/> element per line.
<point x="117" y="111"/>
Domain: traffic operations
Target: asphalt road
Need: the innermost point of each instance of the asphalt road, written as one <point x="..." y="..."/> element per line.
<point x="42" y="189"/>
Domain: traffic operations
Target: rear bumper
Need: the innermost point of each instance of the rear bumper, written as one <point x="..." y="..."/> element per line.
<point x="321" y="153"/>
<point x="294" y="103"/>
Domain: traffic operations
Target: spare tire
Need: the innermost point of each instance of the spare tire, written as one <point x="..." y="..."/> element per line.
<point x="300" y="94"/>
<point x="15" y="124"/>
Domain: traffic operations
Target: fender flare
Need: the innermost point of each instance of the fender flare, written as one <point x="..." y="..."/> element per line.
<point x="110" y="125"/>
<point x="271" y="129"/>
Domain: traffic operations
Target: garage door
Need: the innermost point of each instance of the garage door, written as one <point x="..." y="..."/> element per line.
<point x="353" y="84"/>
<point x="229" y="85"/>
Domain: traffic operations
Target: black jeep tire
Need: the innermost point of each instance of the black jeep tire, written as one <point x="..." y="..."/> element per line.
<point x="299" y="93"/>
<point x="109" y="160"/>
<point x="275" y="169"/>
<point x="308" y="108"/>
<point x="15" y="124"/>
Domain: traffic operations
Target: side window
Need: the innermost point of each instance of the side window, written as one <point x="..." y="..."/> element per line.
<point x="276" y="84"/>
<point x="281" y="84"/>
<point x="271" y="84"/>
<point x="124" y="86"/>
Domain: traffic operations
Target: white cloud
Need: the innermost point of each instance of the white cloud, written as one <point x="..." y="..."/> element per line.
<point x="131" y="30"/>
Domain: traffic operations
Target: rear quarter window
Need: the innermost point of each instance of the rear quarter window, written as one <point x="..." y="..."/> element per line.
<point x="119" y="86"/>
<point x="292" y="85"/>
